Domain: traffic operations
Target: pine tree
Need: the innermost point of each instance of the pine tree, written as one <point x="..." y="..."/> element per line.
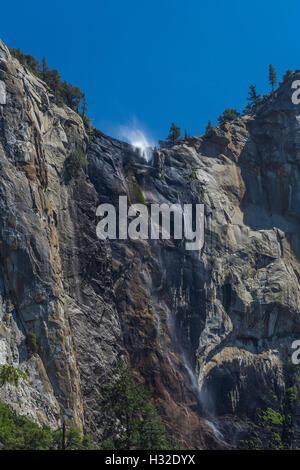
<point x="72" y="95"/>
<point x="272" y="76"/>
<point x="84" y="106"/>
<point x="185" y="135"/>
<point x="253" y="97"/>
<point x="54" y="82"/>
<point x="229" y="114"/>
<point x="130" y="419"/>
<point x="72" y="439"/>
<point x="209" y="126"/>
<point x="287" y="74"/>
<point x="26" y="60"/>
<point x="65" y="93"/>
<point x="174" y="135"/>
<point x="152" y="432"/>
<point x="43" y="69"/>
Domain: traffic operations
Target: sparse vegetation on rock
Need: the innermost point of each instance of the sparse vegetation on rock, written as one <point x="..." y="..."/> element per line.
<point x="76" y="162"/>
<point x="10" y="374"/>
<point x="138" y="194"/>
<point x="64" y="93"/>
<point x="32" y="343"/>
<point x="228" y="115"/>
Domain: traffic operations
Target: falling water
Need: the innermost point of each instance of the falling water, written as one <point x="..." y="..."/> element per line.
<point x="138" y="140"/>
<point x="199" y="396"/>
<point x="216" y="432"/>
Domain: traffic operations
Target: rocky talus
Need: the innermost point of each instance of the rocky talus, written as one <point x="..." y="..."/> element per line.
<point x="208" y="332"/>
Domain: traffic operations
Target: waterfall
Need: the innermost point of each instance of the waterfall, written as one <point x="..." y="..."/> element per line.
<point x="138" y="140"/>
<point x="219" y="436"/>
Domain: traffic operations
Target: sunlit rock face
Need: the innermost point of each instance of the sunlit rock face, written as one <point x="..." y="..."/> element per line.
<point x="228" y="315"/>
<point x="54" y="276"/>
<point x="2" y="93"/>
<point x="208" y="332"/>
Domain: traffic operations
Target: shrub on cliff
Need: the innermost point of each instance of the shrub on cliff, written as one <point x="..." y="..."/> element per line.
<point x="11" y="374"/>
<point x="138" y="194"/>
<point x="76" y="162"/>
<point x="228" y="114"/>
<point x="277" y="426"/>
<point x="253" y="99"/>
<point x="31" y="342"/>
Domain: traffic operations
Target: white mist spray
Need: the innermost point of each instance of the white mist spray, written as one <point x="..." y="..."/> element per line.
<point x="139" y="140"/>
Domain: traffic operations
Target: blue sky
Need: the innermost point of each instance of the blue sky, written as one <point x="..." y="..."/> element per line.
<point x="148" y="63"/>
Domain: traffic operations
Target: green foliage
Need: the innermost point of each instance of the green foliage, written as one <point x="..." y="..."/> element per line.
<point x="271" y="422"/>
<point x="31" y="342"/>
<point x="173" y="137"/>
<point x="10" y="374"/>
<point x="270" y="418"/>
<point x="151" y="431"/>
<point x="253" y="99"/>
<point x="20" y="433"/>
<point x="27" y="60"/>
<point x="90" y="130"/>
<point x="6" y="317"/>
<point x="71" y="95"/>
<point x="192" y="176"/>
<point x="272" y="76"/>
<point x="75" y="440"/>
<point x="200" y="191"/>
<point x="276" y="442"/>
<point x="229" y="114"/>
<point x="209" y="127"/>
<point x="76" y="162"/>
<point x="138" y="194"/>
<point x="291" y="377"/>
<point x="292" y="393"/>
<point x="131" y="420"/>
<point x="254" y="444"/>
<point x="278" y="424"/>
<point x="64" y="93"/>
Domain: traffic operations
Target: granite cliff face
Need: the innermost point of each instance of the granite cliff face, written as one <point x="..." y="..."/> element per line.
<point x="207" y="332"/>
<point x="51" y="261"/>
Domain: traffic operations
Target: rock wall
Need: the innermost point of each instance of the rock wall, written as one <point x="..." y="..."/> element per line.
<point x="207" y="332"/>
<point x="54" y="278"/>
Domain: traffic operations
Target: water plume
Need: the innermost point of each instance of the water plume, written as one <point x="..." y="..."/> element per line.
<point x="139" y="140"/>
